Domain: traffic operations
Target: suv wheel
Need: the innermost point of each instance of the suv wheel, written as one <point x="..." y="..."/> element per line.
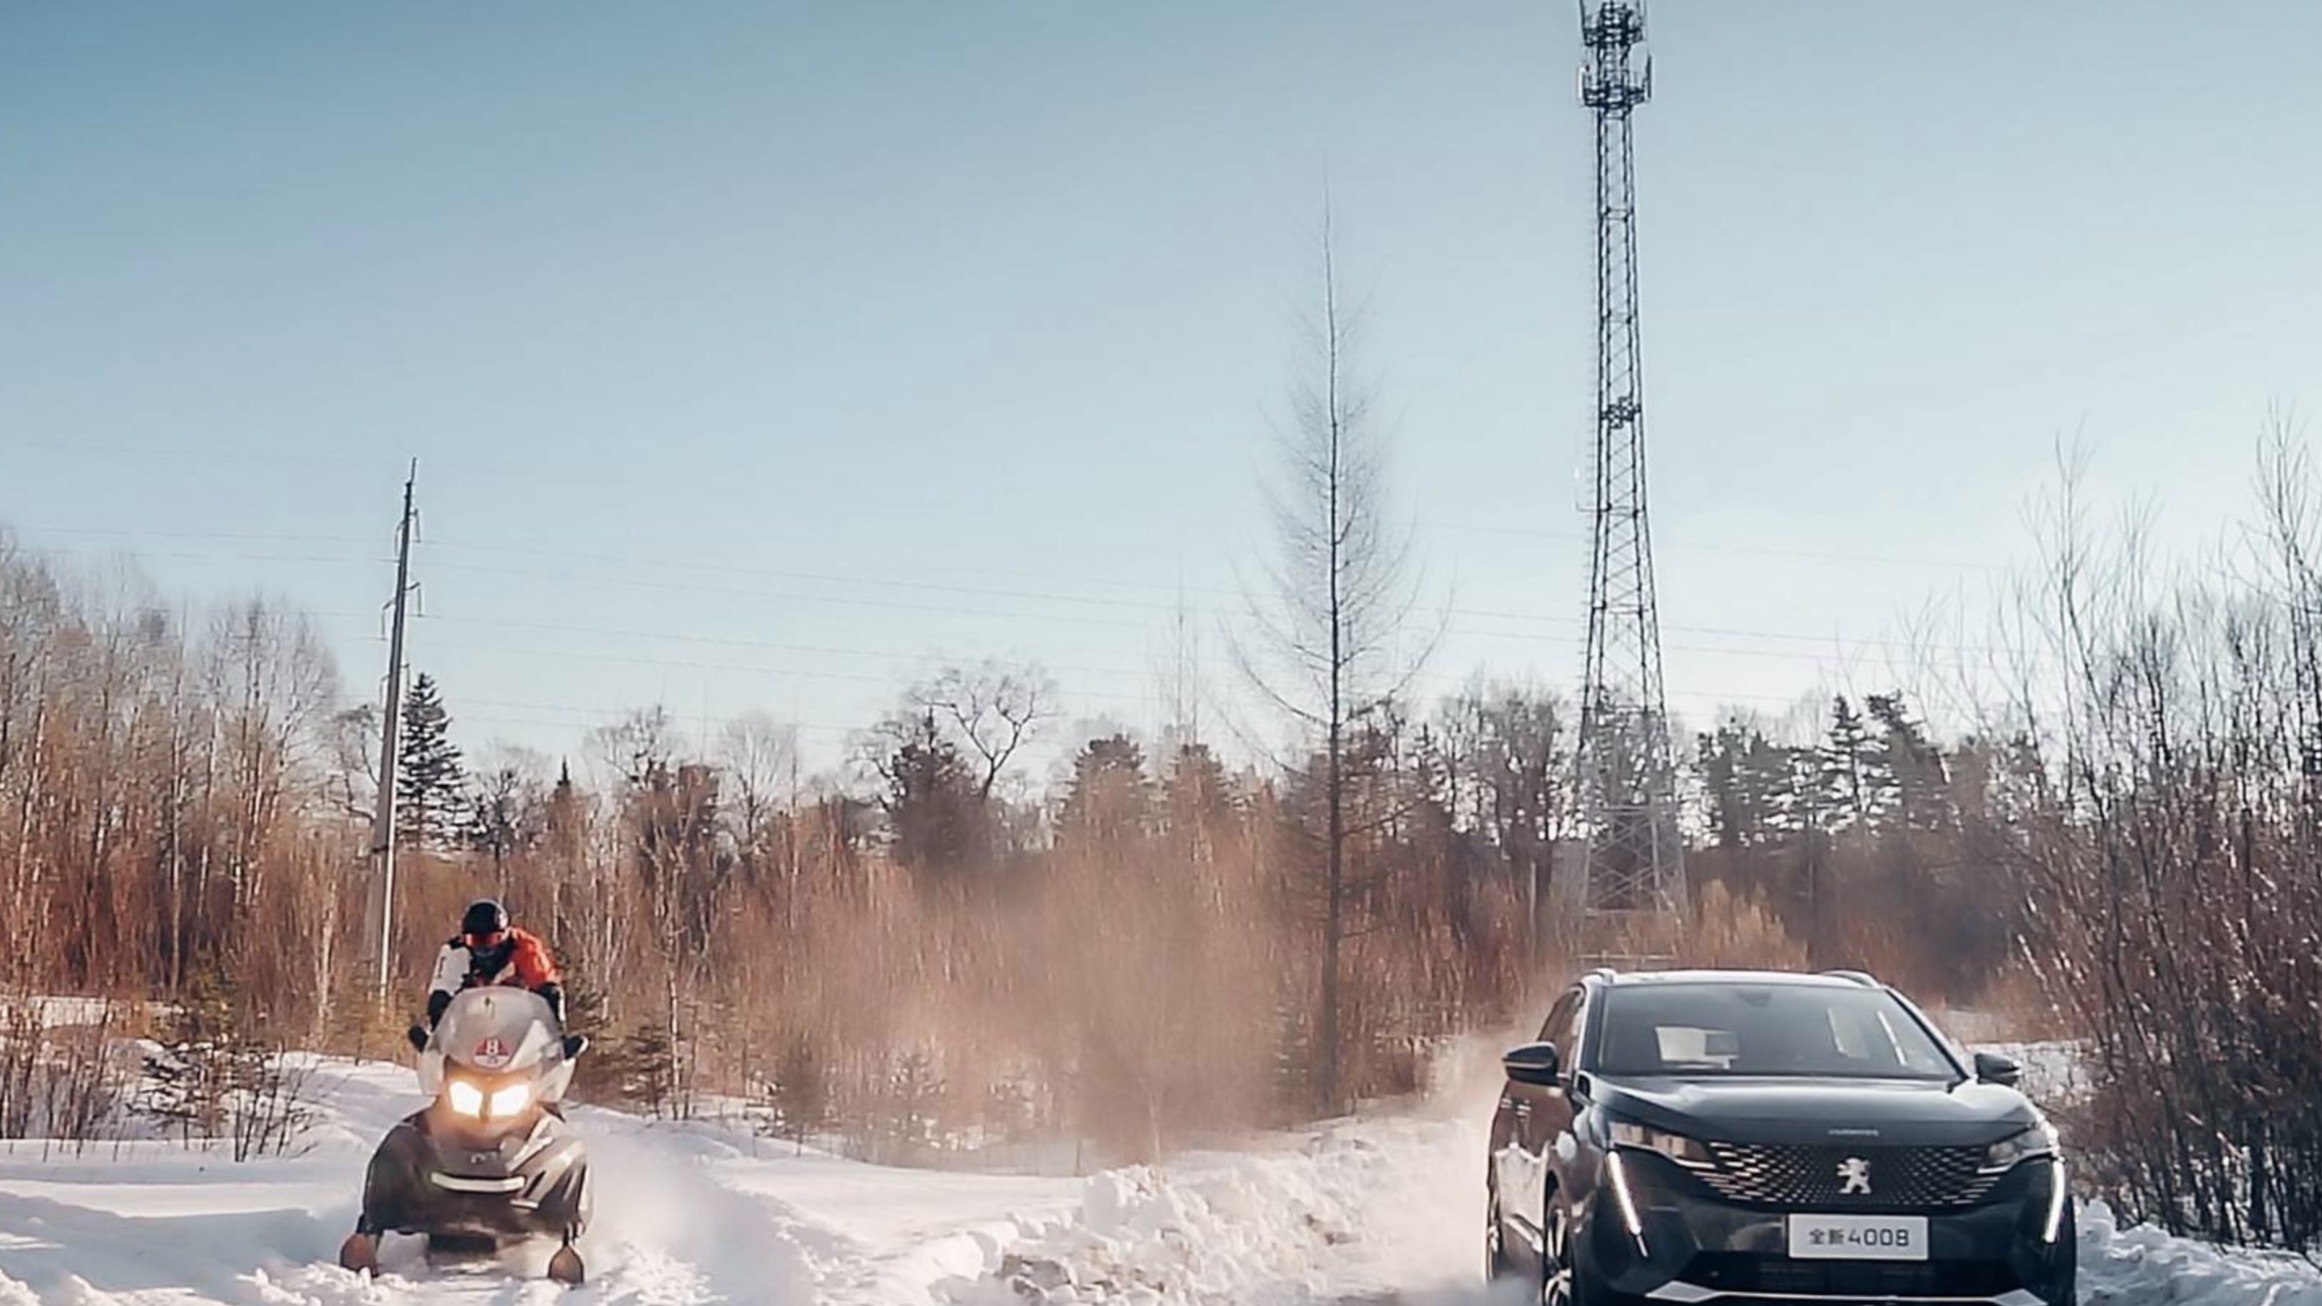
<point x="1558" y="1286"/>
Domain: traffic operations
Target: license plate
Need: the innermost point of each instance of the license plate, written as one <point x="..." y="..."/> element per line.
<point x="1858" y="1237"/>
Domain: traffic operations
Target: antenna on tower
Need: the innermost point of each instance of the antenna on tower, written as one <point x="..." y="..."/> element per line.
<point x="1633" y="867"/>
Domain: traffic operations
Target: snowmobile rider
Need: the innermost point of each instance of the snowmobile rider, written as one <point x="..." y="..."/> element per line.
<point x="488" y="950"/>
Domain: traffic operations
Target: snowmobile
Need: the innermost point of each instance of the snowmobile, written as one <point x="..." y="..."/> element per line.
<point x="490" y="1160"/>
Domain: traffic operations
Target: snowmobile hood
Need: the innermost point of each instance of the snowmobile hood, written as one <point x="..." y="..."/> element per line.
<point x="498" y="1034"/>
<point x="497" y="1030"/>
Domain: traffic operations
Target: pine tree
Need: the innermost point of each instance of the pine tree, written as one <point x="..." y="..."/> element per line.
<point x="916" y="1092"/>
<point x="561" y="839"/>
<point x="1855" y="780"/>
<point x="1199" y="806"/>
<point x="1751" y="786"/>
<point x="431" y="780"/>
<point x="1913" y="763"/>
<point x="1110" y="800"/>
<point x="800" y="1094"/>
<point x="938" y="818"/>
<point x="1734" y="820"/>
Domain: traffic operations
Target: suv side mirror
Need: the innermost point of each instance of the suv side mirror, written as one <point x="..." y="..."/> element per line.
<point x="1992" y="1068"/>
<point x="1537" y="1064"/>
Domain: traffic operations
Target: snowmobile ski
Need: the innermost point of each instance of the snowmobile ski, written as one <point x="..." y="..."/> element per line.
<point x="360" y="1253"/>
<point x="565" y="1267"/>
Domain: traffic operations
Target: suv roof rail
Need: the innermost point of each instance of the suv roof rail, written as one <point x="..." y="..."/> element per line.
<point x="1604" y="973"/>
<point x="1859" y="977"/>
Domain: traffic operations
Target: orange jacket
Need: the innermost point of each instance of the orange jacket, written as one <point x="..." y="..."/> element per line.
<point x="529" y="963"/>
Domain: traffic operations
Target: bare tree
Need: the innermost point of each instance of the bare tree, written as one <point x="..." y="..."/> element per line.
<point x="760" y="758"/>
<point x="1177" y="680"/>
<point x="507" y="800"/>
<point x="986" y="713"/>
<point x="276" y="689"/>
<point x="352" y="736"/>
<point x="629" y="751"/>
<point x="1325" y="646"/>
<point x="994" y="708"/>
<point x="941" y="754"/>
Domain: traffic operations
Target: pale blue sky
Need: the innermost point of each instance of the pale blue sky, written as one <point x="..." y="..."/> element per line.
<point x="760" y="355"/>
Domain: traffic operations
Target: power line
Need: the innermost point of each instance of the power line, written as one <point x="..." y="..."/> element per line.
<point x="745" y="542"/>
<point x="583" y="717"/>
<point x="1544" y="618"/>
<point x="189" y="556"/>
<point x="858" y="580"/>
<point x="1207" y="668"/>
<point x="1752" y="550"/>
<point x="599" y="714"/>
<point x="1487" y="614"/>
<point x="694" y="665"/>
<point x="190" y="453"/>
<point x="149" y="533"/>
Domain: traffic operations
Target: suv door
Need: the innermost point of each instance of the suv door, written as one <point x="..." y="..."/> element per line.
<point x="1530" y="1120"/>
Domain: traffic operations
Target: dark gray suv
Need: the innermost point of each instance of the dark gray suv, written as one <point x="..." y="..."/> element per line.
<point x="1689" y="1136"/>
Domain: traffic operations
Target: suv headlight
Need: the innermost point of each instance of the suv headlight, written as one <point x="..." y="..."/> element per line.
<point x="1677" y="1147"/>
<point x="2039" y="1140"/>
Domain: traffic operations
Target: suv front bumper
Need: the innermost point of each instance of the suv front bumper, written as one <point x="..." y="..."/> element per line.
<point x="1693" y="1247"/>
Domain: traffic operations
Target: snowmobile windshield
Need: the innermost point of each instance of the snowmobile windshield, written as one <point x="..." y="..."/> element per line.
<point x="498" y="1031"/>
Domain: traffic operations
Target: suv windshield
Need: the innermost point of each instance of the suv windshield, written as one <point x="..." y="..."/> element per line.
<point x="1802" y="1030"/>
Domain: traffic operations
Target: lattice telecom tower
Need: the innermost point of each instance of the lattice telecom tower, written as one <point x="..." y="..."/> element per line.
<point x="1635" y="866"/>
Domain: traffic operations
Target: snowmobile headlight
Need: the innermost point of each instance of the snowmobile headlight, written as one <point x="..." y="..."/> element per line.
<point x="510" y="1100"/>
<point x="466" y="1098"/>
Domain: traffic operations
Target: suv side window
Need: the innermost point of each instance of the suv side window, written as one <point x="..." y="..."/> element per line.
<point x="1563" y="1025"/>
<point x="1570" y="1044"/>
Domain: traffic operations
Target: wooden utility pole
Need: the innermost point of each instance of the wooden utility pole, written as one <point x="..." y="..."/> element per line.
<point x="379" y="922"/>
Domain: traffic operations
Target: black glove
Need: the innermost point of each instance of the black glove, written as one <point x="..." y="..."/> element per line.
<point x="554" y="992"/>
<point x="436" y="1004"/>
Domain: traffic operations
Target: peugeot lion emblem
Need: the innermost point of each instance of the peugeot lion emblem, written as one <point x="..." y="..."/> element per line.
<point x="1854" y="1176"/>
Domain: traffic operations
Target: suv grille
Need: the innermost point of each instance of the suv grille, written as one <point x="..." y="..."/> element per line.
<point x="1817" y="1175"/>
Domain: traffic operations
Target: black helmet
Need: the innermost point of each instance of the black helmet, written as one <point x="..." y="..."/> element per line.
<point x="485" y="918"/>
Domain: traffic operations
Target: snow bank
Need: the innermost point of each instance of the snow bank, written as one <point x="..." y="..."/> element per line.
<point x="1385" y="1209"/>
<point x="2145" y="1267"/>
<point x="1365" y="1214"/>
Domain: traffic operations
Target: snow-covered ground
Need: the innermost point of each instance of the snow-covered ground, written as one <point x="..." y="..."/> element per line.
<point x="700" y="1213"/>
<point x="1380" y="1209"/>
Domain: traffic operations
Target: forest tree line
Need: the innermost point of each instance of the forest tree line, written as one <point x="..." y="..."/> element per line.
<point x="915" y="948"/>
<point x="916" y="964"/>
<point x="2120" y="826"/>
